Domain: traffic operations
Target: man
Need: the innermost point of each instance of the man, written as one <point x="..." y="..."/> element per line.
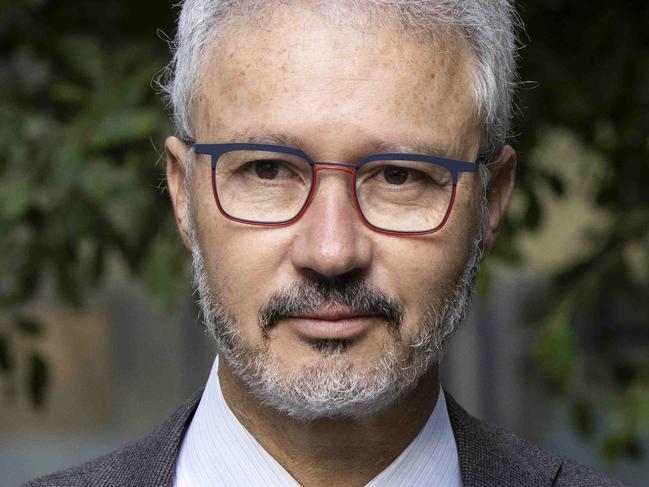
<point x="340" y="169"/>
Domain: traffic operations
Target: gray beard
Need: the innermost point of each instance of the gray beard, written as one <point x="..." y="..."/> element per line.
<point x="331" y="386"/>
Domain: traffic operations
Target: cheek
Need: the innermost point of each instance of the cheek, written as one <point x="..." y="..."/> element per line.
<point x="422" y="271"/>
<point x="250" y="261"/>
<point x="241" y="262"/>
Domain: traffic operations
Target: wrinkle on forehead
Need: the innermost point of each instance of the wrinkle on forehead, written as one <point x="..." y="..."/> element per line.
<point x="293" y="60"/>
<point x="288" y="23"/>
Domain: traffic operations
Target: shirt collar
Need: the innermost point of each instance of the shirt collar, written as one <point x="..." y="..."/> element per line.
<point x="218" y="450"/>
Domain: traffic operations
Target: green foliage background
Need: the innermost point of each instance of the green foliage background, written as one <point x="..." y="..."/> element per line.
<point x="81" y="133"/>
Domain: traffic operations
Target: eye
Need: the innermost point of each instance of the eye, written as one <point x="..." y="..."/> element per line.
<point x="266" y="169"/>
<point x="399" y="175"/>
<point x="271" y="170"/>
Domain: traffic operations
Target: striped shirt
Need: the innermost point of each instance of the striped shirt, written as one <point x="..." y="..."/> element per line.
<point x="218" y="451"/>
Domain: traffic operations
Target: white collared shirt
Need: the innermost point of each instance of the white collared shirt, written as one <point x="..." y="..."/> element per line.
<point x="218" y="451"/>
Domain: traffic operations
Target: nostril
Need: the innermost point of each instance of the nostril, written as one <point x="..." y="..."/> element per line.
<point x="329" y="243"/>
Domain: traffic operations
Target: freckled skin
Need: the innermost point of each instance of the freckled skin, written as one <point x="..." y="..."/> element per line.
<point x="334" y="92"/>
<point x="339" y="90"/>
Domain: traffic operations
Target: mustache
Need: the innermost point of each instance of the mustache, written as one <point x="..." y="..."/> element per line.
<point x="315" y="292"/>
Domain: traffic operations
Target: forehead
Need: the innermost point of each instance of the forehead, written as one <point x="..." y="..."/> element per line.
<point x="300" y="74"/>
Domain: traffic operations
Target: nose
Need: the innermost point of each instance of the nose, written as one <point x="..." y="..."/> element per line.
<point x="331" y="240"/>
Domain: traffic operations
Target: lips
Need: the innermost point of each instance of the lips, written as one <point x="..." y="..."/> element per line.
<point x="332" y="323"/>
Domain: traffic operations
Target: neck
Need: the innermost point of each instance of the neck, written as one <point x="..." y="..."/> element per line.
<point x="333" y="452"/>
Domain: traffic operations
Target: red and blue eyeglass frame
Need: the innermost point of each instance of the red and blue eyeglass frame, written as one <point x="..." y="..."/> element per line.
<point x="454" y="167"/>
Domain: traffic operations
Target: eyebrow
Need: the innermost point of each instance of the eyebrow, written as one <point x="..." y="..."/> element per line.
<point x="416" y="146"/>
<point x="413" y="146"/>
<point x="268" y="138"/>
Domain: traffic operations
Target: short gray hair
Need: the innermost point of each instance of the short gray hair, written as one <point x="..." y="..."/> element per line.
<point x="489" y="26"/>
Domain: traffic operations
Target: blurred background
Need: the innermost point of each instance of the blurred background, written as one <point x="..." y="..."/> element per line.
<point x="99" y="340"/>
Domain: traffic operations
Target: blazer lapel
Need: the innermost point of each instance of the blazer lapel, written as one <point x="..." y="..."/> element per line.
<point x="155" y="455"/>
<point x="489" y="456"/>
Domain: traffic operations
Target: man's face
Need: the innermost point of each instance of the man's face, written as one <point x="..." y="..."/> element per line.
<point x="339" y="93"/>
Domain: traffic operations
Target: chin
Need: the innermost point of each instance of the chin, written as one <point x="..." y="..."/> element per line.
<point x="333" y="383"/>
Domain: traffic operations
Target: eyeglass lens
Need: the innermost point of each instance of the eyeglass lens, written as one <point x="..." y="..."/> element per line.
<point x="273" y="187"/>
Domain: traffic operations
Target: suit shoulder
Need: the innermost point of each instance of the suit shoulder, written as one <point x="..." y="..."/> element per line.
<point x="84" y="474"/>
<point x="572" y="474"/>
<point x="146" y="462"/>
<point x="114" y="468"/>
<point x="520" y="451"/>
<point x="490" y="455"/>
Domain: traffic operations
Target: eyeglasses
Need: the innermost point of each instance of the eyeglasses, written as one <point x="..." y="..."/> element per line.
<point x="273" y="185"/>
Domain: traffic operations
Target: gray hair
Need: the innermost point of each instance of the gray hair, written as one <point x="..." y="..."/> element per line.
<point x="489" y="27"/>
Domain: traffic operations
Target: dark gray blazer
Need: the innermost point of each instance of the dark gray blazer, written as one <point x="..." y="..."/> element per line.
<point x="488" y="457"/>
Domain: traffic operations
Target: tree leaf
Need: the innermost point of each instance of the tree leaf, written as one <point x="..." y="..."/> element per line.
<point x="556" y="184"/>
<point x="83" y="56"/>
<point x="582" y="414"/>
<point x="533" y="212"/>
<point x="38" y="379"/>
<point x="6" y="354"/>
<point x="15" y="198"/>
<point x="555" y="348"/>
<point x="115" y="129"/>
<point x="29" y="326"/>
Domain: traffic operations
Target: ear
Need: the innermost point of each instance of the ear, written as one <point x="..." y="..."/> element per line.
<point x="502" y="174"/>
<point x="176" y="167"/>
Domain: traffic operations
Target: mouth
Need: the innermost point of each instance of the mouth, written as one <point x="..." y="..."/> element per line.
<point x="332" y="323"/>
